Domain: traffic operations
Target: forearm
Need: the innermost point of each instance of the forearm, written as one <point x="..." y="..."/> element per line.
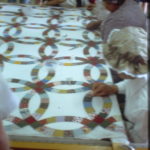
<point x="93" y="25"/>
<point x="102" y="89"/>
<point x="97" y="23"/>
<point x="113" y="89"/>
<point x="55" y="2"/>
<point x="91" y="7"/>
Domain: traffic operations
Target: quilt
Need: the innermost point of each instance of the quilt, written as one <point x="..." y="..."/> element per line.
<point x="50" y="61"/>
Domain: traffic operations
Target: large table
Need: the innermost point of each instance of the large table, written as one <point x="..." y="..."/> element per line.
<point x="51" y="61"/>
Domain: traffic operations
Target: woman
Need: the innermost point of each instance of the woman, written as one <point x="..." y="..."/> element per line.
<point x="126" y="52"/>
<point x="123" y="13"/>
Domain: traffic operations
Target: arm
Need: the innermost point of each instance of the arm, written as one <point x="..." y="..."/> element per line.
<point x="53" y="2"/>
<point x="93" y="25"/>
<point x="102" y="89"/>
<point x="91" y="7"/>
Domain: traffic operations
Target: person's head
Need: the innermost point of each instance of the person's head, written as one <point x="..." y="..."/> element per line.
<point x="126" y="51"/>
<point x="112" y="5"/>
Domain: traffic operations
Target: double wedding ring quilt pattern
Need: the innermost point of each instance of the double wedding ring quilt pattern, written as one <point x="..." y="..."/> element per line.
<point x="51" y="61"/>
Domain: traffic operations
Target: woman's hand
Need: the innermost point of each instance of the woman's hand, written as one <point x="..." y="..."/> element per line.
<point x="102" y="89"/>
<point x="93" y="25"/>
<point x="91" y="7"/>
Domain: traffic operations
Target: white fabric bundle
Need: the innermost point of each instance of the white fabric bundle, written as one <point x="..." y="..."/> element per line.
<point x="126" y="50"/>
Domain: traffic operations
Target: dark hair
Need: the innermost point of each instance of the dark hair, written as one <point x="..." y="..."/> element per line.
<point x="118" y="2"/>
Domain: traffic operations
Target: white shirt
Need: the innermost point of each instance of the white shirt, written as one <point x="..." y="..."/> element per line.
<point x="136" y="106"/>
<point x="8" y="101"/>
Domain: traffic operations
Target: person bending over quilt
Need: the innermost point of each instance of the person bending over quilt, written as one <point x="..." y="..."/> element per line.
<point x="123" y="13"/>
<point x="126" y="52"/>
<point x="8" y="103"/>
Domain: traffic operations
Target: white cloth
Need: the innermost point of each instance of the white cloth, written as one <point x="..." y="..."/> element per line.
<point x="8" y="102"/>
<point x="136" y="107"/>
<point x="126" y="51"/>
<point x="129" y="14"/>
